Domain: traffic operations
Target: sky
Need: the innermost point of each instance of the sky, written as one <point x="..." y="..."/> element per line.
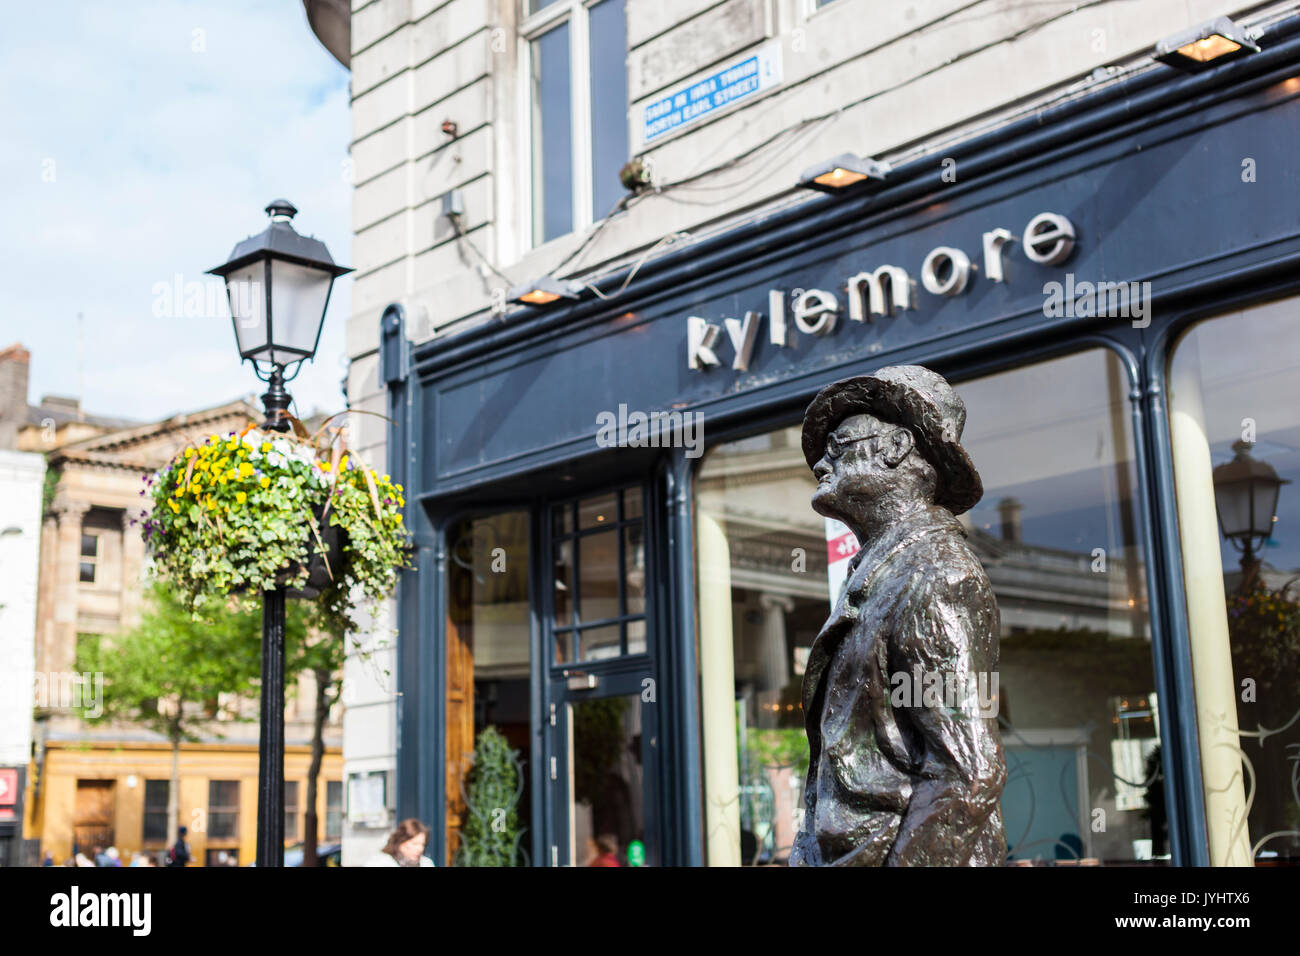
<point x="141" y="140"/>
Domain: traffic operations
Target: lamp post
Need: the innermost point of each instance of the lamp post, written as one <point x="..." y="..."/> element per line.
<point x="278" y="284"/>
<point x="1245" y="497"/>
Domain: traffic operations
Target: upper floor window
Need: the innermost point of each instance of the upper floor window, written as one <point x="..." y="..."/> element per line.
<point x="577" y="75"/>
<point x="89" y="557"/>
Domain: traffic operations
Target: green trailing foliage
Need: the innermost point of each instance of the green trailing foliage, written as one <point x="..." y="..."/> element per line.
<point x="244" y="513"/>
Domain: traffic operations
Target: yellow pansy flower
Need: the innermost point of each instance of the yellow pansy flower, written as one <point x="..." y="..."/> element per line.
<point x="190" y="453"/>
<point x="266" y="446"/>
<point x="174" y="506"/>
<point x="266" y="482"/>
<point x="245" y="469"/>
<point x="212" y="505"/>
<point x="324" y="465"/>
<point x="240" y="497"/>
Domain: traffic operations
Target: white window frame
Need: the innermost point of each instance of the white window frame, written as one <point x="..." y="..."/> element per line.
<point x="576" y="13"/>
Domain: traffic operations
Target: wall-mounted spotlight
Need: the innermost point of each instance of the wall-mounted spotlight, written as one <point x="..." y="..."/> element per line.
<point x="841" y="172"/>
<point x="1207" y="45"/>
<point x="543" y="291"/>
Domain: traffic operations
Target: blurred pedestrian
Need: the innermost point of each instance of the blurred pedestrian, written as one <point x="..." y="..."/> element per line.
<point x="603" y="851"/>
<point x="405" y="846"/>
<point x="179" y="854"/>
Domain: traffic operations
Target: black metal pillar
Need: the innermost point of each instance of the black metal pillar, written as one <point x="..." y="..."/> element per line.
<point x="270" y="750"/>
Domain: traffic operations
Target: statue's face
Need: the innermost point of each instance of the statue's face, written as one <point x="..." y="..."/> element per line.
<point x="854" y="468"/>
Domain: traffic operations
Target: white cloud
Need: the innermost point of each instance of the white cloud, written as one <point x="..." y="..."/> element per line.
<point x="162" y="159"/>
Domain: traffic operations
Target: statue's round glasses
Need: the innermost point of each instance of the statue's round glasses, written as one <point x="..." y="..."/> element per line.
<point x="835" y="445"/>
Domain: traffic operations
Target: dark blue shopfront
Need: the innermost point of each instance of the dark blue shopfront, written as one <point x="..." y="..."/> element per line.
<point x="560" y="585"/>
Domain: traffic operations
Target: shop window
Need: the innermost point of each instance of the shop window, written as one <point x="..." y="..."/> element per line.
<point x="577" y="55"/>
<point x="1234" y="418"/>
<point x="155" y="810"/>
<point x="488" y="652"/>
<point x="291" y="811"/>
<point x="89" y="557"/>
<point x="599" y="596"/>
<point x="1057" y="534"/>
<point x="333" y="809"/>
<point x="223" y="809"/>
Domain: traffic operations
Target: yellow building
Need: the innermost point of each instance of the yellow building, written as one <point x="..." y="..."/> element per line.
<point x="114" y="793"/>
<point x="97" y="785"/>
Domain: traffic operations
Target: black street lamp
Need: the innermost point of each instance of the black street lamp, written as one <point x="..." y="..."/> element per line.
<point x="278" y="285"/>
<point x="1245" y="497"/>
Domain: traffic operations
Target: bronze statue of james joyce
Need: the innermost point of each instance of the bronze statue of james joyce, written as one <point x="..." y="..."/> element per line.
<point x="906" y="765"/>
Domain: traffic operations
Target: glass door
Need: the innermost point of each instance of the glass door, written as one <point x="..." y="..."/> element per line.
<point x="603" y="722"/>
<point x="605" y="751"/>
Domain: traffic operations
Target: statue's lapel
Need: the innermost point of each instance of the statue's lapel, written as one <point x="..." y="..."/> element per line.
<point x="853" y="597"/>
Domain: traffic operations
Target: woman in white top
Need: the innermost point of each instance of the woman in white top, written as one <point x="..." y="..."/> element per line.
<point x="405" y="846"/>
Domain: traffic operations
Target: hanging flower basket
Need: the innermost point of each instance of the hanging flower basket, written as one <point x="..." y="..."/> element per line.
<point x="254" y="511"/>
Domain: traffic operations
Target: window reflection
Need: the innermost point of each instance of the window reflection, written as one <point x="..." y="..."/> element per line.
<point x="606" y="783"/>
<point x="1057" y="534"/>
<point x="488" y="654"/>
<point x="552" y="136"/>
<point x="599" y="592"/>
<point x="1234" y="408"/>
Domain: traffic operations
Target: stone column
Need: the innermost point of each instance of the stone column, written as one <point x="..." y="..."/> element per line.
<point x="132" y="568"/>
<point x="773" y="656"/>
<point x="718" y="696"/>
<point x="45" y="591"/>
<point x="67" y="574"/>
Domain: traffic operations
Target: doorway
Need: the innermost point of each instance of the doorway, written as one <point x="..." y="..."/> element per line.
<point x="93" y="815"/>
<point x="605" y="744"/>
<point x="599" y="642"/>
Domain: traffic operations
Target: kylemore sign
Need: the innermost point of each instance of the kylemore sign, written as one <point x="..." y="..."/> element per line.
<point x="1048" y="240"/>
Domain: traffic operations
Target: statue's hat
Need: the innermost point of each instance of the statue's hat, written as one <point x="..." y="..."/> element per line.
<point x="912" y="396"/>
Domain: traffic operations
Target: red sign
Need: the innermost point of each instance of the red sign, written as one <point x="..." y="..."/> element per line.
<point x="8" y="787"/>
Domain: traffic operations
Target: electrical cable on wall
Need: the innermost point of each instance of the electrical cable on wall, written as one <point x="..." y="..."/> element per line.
<point x="691" y="182"/>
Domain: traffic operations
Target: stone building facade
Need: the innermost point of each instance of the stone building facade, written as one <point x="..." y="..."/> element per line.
<point x="489" y="137"/>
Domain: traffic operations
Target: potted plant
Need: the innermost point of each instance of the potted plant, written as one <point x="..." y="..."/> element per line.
<point x="257" y="510"/>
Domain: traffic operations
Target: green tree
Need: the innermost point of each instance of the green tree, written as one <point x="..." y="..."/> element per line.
<point x="320" y="652"/>
<point x="165" y="672"/>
